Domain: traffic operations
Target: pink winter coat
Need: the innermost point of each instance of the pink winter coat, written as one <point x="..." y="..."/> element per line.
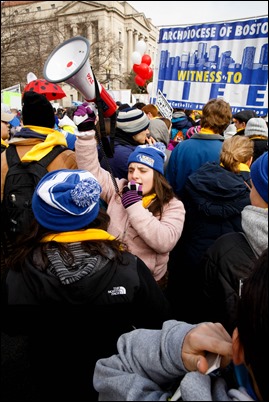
<point x="146" y="236"/>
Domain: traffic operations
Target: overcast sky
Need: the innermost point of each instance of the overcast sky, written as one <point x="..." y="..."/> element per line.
<point x="188" y="12"/>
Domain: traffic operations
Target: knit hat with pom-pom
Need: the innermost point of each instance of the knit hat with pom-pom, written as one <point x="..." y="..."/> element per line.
<point x="66" y="200"/>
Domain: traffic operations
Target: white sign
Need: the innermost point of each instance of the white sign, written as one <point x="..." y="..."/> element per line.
<point x="121" y="95"/>
<point x="14" y="88"/>
<point x="140" y="98"/>
<point x="163" y="106"/>
<point x="12" y="99"/>
<point x="15" y="102"/>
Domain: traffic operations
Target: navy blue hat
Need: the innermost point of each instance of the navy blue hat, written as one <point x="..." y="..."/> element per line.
<point x="66" y="200"/>
<point x="259" y="175"/>
<point x="152" y="156"/>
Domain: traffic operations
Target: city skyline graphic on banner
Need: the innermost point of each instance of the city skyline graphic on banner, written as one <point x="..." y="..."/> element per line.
<point x="201" y="62"/>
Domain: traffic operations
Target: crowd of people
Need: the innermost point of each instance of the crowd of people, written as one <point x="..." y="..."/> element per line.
<point x="138" y="266"/>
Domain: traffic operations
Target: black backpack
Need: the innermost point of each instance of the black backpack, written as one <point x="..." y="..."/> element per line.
<point x="3" y="147"/>
<point x="20" y="183"/>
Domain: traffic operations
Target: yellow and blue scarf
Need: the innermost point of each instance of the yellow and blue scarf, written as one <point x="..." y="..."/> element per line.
<point x="53" y="138"/>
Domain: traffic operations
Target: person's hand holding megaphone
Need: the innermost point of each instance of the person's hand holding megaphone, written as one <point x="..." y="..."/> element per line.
<point x="85" y="120"/>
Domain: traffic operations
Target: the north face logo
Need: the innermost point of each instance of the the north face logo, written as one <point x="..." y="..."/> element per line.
<point x="117" y="290"/>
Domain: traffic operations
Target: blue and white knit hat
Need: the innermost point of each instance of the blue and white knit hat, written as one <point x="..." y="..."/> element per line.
<point x="132" y="121"/>
<point x="66" y="200"/>
<point x="152" y="156"/>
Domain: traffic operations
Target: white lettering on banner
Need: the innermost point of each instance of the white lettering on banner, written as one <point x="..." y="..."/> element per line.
<point x="238" y="93"/>
<point x="251" y="29"/>
<point x="226" y="59"/>
<point x="164" y="107"/>
<point x="228" y="30"/>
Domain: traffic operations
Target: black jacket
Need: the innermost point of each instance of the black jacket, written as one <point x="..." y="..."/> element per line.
<point x="260" y="146"/>
<point x="213" y="198"/>
<point x="71" y="326"/>
<point x="229" y="260"/>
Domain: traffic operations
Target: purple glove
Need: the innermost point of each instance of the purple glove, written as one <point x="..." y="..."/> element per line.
<point x="131" y="194"/>
<point x="84" y="118"/>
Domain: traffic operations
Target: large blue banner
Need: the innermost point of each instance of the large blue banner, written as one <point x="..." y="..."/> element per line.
<point x="196" y="63"/>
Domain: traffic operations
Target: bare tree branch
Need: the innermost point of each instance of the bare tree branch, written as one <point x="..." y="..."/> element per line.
<point x="26" y="46"/>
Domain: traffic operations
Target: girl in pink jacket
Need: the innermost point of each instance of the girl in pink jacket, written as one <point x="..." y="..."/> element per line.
<point x="145" y="213"/>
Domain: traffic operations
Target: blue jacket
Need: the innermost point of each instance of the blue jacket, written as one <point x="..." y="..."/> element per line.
<point x="189" y="155"/>
<point x="180" y="123"/>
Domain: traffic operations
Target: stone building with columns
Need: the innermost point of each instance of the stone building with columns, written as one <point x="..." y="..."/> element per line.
<point x="90" y="19"/>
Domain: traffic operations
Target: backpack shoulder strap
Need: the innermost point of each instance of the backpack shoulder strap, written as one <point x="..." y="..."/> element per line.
<point x="12" y="155"/>
<point x="47" y="159"/>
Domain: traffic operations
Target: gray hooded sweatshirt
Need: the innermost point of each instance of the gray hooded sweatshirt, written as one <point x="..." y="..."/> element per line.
<point x="148" y="367"/>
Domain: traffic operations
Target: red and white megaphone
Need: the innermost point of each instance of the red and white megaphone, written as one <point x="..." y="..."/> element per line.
<point x="69" y="62"/>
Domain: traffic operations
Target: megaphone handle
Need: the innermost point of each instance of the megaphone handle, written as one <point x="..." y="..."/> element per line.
<point x="107" y="163"/>
<point x="113" y="120"/>
<point x="98" y="101"/>
<point x="103" y="132"/>
<point x="113" y="117"/>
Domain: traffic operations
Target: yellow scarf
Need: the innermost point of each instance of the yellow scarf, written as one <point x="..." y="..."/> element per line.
<point x="69" y="129"/>
<point x="258" y="137"/>
<point x="146" y="200"/>
<point x="206" y="131"/>
<point x="40" y="150"/>
<point x="3" y="142"/>
<point x="243" y="167"/>
<point x="78" y="235"/>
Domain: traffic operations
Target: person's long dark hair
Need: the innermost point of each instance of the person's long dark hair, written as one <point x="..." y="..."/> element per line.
<point x="164" y="193"/>
<point x="27" y="244"/>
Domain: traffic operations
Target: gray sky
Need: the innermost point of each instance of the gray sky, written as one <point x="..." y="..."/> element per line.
<point x="188" y="12"/>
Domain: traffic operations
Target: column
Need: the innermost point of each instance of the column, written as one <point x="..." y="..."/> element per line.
<point x="129" y="49"/>
<point x="74" y="29"/>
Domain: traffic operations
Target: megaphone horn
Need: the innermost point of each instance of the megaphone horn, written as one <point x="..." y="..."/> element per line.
<point x="69" y="62"/>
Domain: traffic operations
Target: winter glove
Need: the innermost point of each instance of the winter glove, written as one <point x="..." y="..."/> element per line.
<point x="131" y="194"/>
<point x="84" y="118"/>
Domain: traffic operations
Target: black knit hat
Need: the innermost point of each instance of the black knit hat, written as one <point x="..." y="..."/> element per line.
<point x="244" y="115"/>
<point x="37" y="110"/>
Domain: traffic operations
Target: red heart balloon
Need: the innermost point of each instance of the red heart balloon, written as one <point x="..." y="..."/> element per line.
<point x="139" y="81"/>
<point x="146" y="59"/>
<point x="143" y="70"/>
<point x="150" y="74"/>
<point x="136" y="68"/>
